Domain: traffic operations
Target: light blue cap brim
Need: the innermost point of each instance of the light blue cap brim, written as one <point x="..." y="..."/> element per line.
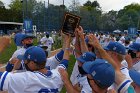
<point x="87" y="66"/>
<point x="106" y="48"/>
<point x="81" y="60"/>
<point x="20" y="57"/>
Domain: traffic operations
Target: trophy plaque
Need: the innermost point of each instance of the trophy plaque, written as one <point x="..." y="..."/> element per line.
<point x="70" y="22"/>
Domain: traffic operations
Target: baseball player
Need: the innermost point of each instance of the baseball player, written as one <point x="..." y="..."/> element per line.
<point x="37" y="79"/>
<point x="134" y="52"/>
<point x="48" y="41"/>
<point x="122" y="82"/>
<point x="78" y="78"/>
<point x="52" y="62"/>
<point x="26" y="41"/>
<point x="101" y="74"/>
<point x="117" y="51"/>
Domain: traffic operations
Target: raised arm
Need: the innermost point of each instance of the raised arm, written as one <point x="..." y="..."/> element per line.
<point x="77" y="45"/>
<point x="67" y="83"/>
<point x="95" y="43"/>
<point x="65" y="60"/>
<point x="82" y="39"/>
<point x="119" y="78"/>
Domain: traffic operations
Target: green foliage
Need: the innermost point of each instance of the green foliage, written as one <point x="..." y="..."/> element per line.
<point x="94" y="4"/>
<point x="1" y="4"/>
<point x="47" y="18"/>
<point x="129" y="16"/>
<point x="16" y="5"/>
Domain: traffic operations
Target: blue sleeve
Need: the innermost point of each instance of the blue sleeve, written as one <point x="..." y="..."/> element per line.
<point x="64" y="63"/>
<point x="59" y="56"/>
<point x="9" y="67"/>
<point x="3" y="80"/>
<point x="1" y="74"/>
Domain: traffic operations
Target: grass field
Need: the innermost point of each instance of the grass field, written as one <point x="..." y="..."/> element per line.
<point x="6" y="54"/>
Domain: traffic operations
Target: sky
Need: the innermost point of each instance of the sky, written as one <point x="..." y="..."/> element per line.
<point x="106" y="5"/>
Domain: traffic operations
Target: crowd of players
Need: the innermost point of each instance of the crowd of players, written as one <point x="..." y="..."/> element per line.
<point x="104" y="64"/>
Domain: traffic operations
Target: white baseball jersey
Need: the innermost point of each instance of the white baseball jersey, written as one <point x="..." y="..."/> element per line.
<point x="31" y="82"/>
<point x="136" y="66"/>
<point x="77" y="78"/>
<point x="123" y="87"/>
<point x="138" y="40"/>
<point x="128" y="81"/>
<point x="83" y="83"/>
<point x="52" y="62"/>
<point x="74" y="74"/>
<point x="20" y="51"/>
<point x="47" y="41"/>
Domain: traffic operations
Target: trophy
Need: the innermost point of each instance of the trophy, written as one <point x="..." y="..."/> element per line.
<point x="70" y="22"/>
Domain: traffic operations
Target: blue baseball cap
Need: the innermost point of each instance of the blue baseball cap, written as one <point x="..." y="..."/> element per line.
<point x="101" y="71"/>
<point x="116" y="47"/>
<point x="18" y="39"/>
<point x="35" y="54"/>
<point x="135" y="76"/>
<point x="24" y="36"/>
<point x="47" y="33"/>
<point x="87" y="56"/>
<point x="134" y="47"/>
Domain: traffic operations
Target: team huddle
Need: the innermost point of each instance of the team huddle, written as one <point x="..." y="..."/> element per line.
<point x="100" y="67"/>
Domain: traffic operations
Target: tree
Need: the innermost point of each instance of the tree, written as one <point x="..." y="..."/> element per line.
<point x="16" y="5"/>
<point x="88" y="3"/>
<point x="129" y="16"/>
<point x="75" y="6"/>
<point x="93" y="14"/>
<point x="95" y="4"/>
<point x="15" y="10"/>
<point x="2" y="4"/>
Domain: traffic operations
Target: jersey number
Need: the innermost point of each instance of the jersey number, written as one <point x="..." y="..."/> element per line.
<point x="48" y="91"/>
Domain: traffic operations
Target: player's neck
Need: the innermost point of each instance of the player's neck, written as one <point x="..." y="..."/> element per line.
<point x="44" y="70"/>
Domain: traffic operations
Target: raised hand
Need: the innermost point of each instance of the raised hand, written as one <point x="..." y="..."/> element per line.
<point x="93" y="40"/>
<point x="80" y="32"/>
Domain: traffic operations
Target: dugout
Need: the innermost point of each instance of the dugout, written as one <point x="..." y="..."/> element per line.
<point x="9" y="27"/>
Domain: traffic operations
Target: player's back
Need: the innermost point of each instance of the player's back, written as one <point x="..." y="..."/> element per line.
<point x="33" y="82"/>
